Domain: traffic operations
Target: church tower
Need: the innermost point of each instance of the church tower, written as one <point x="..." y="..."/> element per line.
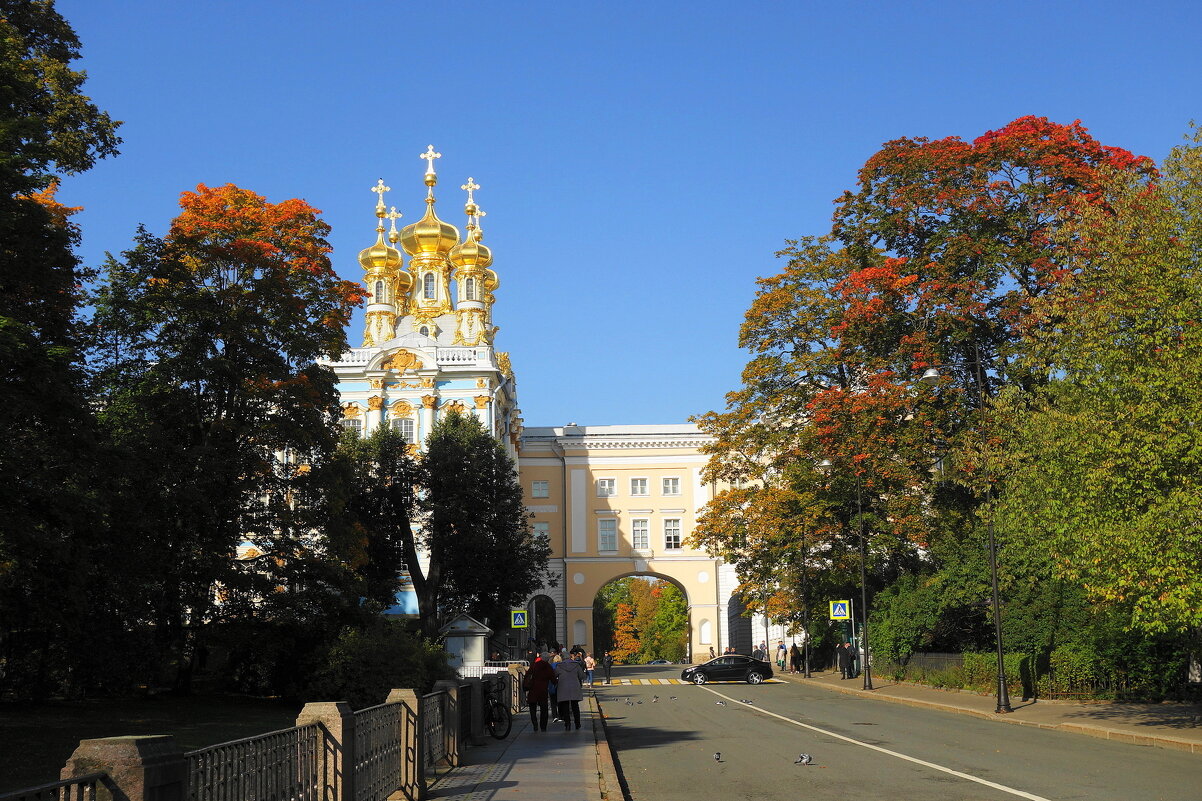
<point x="428" y="332"/>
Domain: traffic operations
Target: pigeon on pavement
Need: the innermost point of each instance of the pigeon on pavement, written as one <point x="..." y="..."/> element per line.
<point x="720" y="703"/>
<point x="671" y="697"/>
<point x="655" y="699"/>
<point x="717" y="756"/>
<point x="803" y="759"/>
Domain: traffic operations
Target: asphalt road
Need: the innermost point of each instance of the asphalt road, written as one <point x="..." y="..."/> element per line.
<point x="862" y="749"/>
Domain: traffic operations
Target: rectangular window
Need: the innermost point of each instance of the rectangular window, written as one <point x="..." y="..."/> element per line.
<point x="671" y="486"/>
<point x="638" y="486"/>
<point x="540" y="489"/>
<point x="607" y="487"/>
<point x="672" y="535"/>
<point x="640" y="534"/>
<point x="404" y="427"/>
<point x="353" y="424"/>
<point x="542" y="531"/>
<point x="607" y="534"/>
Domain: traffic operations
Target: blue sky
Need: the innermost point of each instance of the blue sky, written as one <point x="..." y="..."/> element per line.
<point x="640" y="162"/>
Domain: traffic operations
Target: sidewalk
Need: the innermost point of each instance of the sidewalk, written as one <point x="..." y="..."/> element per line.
<point x="1175" y="726"/>
<point x="536" y="766"/>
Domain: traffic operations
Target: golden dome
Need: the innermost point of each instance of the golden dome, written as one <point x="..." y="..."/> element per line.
<point x="429" y="234"/>
<point x="472" y="252"/>
<point x="380" y="256"/>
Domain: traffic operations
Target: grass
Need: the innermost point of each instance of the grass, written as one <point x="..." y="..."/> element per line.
<point x="36" y="740"/>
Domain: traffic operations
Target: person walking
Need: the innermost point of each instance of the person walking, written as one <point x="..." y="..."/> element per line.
<point x="781" y="654"/>
<point x="843" y="660"/>
<point x="795" y="659"/>
<point x="607" y="665"/>
<point x="569" y="676"/>
<point x="537" y="684"/>
<point x="590" y="666"/>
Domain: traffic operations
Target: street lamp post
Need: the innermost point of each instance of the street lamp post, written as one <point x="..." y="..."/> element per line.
<point x="931" y="376"/>
<point x="825" y="466"/>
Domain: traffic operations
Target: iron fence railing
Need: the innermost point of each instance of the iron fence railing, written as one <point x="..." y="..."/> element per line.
<point x="77" y="788"/>
<point x="378" y="753"/>
<point x="277" y="766"/>
<point x="434" y="727"/>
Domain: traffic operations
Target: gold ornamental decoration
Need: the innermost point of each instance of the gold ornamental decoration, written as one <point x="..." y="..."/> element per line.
<point x="375" y="403"/>
<point x="429" y="401"/>
<point x="400" y="409"/>
<point x="375" y="383"/>
<point x="350" y="410"/>
<point x="456" y="406"/>
<point x="401" y="361"/>
<point x="482" y="401"/>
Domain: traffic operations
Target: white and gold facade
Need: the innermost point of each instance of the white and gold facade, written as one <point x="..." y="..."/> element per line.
<point x="428" y="333"/>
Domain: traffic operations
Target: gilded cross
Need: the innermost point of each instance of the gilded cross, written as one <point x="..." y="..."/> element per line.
<point x="429" y="156"/>
<point x="392" y="216"/>
<point x="380" y="189"/>
<point x="470" y="186"/>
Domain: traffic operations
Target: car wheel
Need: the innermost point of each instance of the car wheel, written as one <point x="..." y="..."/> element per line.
<point x="700" y="678"/>
<point x="754" y="678"/>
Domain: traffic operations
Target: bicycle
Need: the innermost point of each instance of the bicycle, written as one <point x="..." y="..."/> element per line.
<point x="497" y="719"/>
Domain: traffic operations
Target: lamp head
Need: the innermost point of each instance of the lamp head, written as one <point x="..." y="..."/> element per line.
<point x="931" y="376"/>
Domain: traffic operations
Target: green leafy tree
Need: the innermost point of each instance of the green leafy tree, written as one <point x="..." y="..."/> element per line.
<point x="49" y="550"/>
<point x="1106" y="456"/>
<point x="483" y="554"/>
<point x="204" y="357"/>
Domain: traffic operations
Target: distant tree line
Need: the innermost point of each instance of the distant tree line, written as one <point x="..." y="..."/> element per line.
<point x="1000" y="333"/>
<point x="640" y="620"/>
<point x="167" y="409"/>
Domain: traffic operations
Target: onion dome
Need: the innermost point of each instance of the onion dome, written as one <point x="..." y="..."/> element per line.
<point x="429" y="235"/>
<point x="380" y="257"/>
<point x="471" y="252"/>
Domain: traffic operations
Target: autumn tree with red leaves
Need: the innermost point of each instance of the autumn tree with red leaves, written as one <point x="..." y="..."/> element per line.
<point x="205" y="361"/>
<point x="936" y="258"/>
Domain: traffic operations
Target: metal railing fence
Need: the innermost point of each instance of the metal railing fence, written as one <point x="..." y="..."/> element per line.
<point x="277" y="766"/>
<point x="433" y="721"/>
<point x="79" y="788"/>
<point x="378" y="755"/>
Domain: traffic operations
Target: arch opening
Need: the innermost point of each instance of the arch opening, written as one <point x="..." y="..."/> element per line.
<point x="641" y="617"/>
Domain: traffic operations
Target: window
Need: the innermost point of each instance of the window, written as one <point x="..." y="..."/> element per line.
<point x="607" y="487"/>
<point x="404" y="427"/>
<point x="469" y="289"/>
<point x="607" y="534"/>
<point x="638" y="486"/>
<point x="641" y="534"/>
<point x="672" y="534"/>
<point x="540" y="489"/>
<point x="428" y="286"/>
<point x="671" y="486"/>
<point x="424" y="331"/>
<point x="378" y="295"/>
<point x="353" y="424"/>
<point x="542" y="531"/>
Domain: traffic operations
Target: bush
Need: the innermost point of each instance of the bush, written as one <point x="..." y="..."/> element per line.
<point x="366" y="663"/>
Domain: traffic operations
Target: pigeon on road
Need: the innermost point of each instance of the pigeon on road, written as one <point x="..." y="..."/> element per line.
<point x="803" y="759"/>
<point x="745" y="701"/>
<point x="720" y="703"/>
<point x="655" y="699"/>
<point x="671" y="697"/>
<point x="717" y="756"/>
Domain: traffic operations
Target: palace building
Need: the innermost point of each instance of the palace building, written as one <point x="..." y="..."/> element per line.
<point x="613" y="501"/>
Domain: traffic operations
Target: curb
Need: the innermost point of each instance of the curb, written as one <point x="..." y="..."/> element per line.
<point x="607" y="773"/>
<point x="1089" y="730"/>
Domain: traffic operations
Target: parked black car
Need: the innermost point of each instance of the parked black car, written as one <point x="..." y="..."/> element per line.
<point x="730" y="667"/>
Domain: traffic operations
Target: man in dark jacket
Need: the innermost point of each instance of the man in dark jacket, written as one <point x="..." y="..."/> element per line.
<point x="607" y="664"/>
<point x="537" y="678"/>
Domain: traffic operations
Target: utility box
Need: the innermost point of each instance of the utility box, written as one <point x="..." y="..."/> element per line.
<point x="467" y="643"/>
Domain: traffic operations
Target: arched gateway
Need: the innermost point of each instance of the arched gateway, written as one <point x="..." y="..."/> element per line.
<point x="617" y="501"/>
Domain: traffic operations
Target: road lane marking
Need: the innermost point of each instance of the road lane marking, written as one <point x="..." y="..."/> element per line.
<point x="907" y="758"/>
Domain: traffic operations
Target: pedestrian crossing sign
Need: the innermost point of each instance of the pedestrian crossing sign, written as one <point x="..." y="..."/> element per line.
<point x="840" y="610"/>
<point x="517" y="618"/>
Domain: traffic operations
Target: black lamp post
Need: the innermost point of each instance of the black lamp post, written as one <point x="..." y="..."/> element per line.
<point x="825" y="466"/>
<point x="931" y="376"/>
